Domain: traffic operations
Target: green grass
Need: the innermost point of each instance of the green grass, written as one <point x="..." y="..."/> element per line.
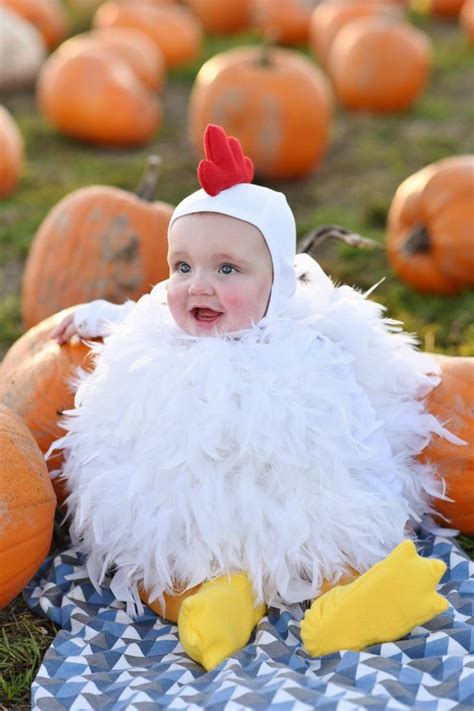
<point x="367" y="159"/>
<point x="24" y="639"/>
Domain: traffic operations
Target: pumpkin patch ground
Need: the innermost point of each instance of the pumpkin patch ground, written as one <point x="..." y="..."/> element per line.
<point x="367" y="158"/>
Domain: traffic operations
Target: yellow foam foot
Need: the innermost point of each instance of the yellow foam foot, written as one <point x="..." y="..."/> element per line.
<point x="218" y="619"/>
<point x="382" y="605"/>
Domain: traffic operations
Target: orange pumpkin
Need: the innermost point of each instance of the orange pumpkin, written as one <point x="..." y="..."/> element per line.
<point x="452" y="401"/>
<point x="330" y="17"/>
<point x="116" y="241"/>
<point x="377" y="64"/>
<point x="95" y="96"/>
<point x="172" y="605"/>
<point x="277" y="103"/>
<point x="286" y="20"/>
<point x="35" y="383"/>
<point x="27" y="505"/>
<point x="47" y="15"/>
<point x="11" y="151"/>
<point x="222" y="17"/>
<point x="137" y="50"/>
<point x="466" y="18"/>
<point x="430" y="242"/>
<point x="174" y="29"/>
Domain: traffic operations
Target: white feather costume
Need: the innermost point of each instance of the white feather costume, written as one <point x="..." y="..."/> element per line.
<point x="287" y="451"/>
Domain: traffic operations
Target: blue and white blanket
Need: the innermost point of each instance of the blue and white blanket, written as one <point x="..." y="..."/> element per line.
<point x="102" y="659"/>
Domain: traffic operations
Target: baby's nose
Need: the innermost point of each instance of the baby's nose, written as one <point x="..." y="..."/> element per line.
<point x="200" y="284"/>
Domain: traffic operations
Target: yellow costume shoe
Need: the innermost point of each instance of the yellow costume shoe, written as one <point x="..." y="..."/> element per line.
<point x="218" y="619"/>
<point x="382" y="605"/>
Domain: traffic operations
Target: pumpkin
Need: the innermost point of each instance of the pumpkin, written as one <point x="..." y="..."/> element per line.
<point x="377" y="64"/>
<point x="276" y="102"/>
<point x="222" y="17"/>
<point x="115" y="240"/>
<point x="452" y="402"/>
<point x="35" y="383"/>
<point x="11" y="151"/>
<point x="27" y="506"/>
<point x="286" y="20"/>
<point x="47" y="16"/>
<point x="95" y="96"/>
<point x="430" y="242"/>
<point x="330" y="17"/>
<point x="172" y="606"/>
<point x="22" y="51"/>
<point x="131" y="46"/>
<point x="174" y="29"/>
<point x="466" y="18"/>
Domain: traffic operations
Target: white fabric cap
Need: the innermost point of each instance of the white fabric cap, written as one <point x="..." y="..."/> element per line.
<point x="269" y="211"/>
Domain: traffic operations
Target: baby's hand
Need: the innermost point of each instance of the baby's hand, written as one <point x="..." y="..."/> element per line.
<point x="65" y="329"/>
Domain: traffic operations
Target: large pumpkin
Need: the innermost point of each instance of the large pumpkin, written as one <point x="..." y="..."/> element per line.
<point x="174" y="29"/>
<point x="430" y="240"/>
<point x="452" y="401"/>
<point x="276" y="103"/>
<point x="115" y="240"/>
<point x="378" y="64"/>
<point x="27" y="505"/>
<point x="222" y="17"/>
<point x="330" y="17"/>
<point x="47" y="15"/>
<point x="131" y="46"/>
<point x="35" y="380"/>
<point x="286" y="20"/>
<point x="95" y="96"/>
<point x="11" y="152"/>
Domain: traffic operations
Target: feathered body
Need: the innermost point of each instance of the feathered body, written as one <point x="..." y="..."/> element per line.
<point x="286" y="451"/>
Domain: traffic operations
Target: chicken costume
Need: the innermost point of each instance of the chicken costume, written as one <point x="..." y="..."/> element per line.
<point x="273" y="460"/>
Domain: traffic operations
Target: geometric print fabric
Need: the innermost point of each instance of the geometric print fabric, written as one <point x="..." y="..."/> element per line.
<point x="102" y="659"/>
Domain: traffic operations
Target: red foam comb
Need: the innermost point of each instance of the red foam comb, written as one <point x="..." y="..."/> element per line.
<point x="225" y="164"/>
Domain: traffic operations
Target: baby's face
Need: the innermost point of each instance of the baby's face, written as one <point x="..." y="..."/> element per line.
<point x="220" y="274"/>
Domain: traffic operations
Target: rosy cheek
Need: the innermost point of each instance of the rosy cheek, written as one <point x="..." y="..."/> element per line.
<point x="176" y="301"/>
<point x="238" y="301"/>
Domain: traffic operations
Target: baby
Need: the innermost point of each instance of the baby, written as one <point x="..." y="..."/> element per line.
<point x="249" y="436"/>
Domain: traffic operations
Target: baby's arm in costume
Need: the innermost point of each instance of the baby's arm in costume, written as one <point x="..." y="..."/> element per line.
<point x="91" y="320"/>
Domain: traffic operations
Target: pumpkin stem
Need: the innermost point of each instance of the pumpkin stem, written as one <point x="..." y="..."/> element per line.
<point x="269" y="40"/>
<point x="314" y="238"/>
<point x="147" y="187"/>
<point x="417" y="241"/>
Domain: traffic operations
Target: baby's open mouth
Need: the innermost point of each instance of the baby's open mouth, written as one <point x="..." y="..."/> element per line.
<point x="204" y="315"/>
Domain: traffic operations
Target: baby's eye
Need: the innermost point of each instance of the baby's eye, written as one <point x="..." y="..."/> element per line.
<point x="182" y="268"/>
<point x="228" y="268"/>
